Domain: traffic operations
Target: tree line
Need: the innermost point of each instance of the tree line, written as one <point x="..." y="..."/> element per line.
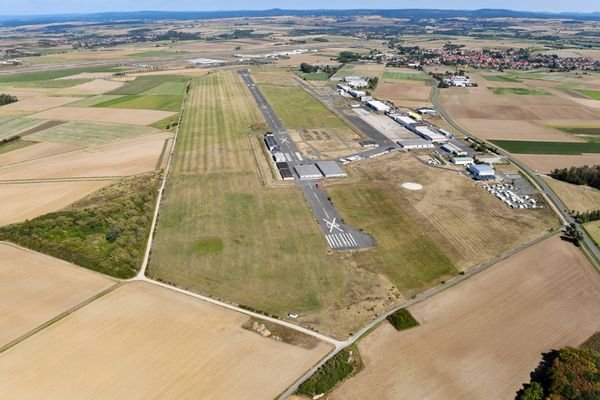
<point x="586" y="175"/>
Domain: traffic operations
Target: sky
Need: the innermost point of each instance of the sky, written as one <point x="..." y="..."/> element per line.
<point x="13" y="7"/>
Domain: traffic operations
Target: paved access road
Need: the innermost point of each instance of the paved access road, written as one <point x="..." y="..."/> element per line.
<point x="339" y="235"/>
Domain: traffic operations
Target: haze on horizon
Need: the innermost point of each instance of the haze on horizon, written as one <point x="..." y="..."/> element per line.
<point x="37" y="7"/>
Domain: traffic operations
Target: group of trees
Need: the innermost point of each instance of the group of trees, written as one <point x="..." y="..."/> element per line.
<point x="7" y="99"/>
<point x="348" y="56"/>
<point x="338" y="368"/>
<point x="105" y="232"/>
<point x="573" y="234"/>
<point x="588" y="216"/>
<point x="567" y="374"/>
<point x="308" y="68"/>
<point x="585" y="175"/>
<point x="402" y="319"/>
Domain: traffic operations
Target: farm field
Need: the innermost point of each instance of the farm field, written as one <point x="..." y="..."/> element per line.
<point x="538" y="147"/>
<point x="52" y="84"/>
<point x="120" y="158"/>
<point x="518" y="91"/>
<point x="545" y="163"/>
<point x="96" y="86"/>
<point x="578" y="198"/>
<point x="145" y="83"/>
<point x="36" y="104"/>
<point x="151" y="102"/>
<point x="37" y="288"/>
<point x="22" y="201"/>
<point x="592" y="94"/>
<point x="33" y="151"/>
<point x="11" y="126"/>
<point x="461" y="220"/>
<point x="404" y="94"/>
<point x="87" y="134"/>
<point x="16" y="145"/>
<point x="55" y="74"/>
<point x="405" y="76"/>
<point x="110" y="115"/>
<point x="483" y="337"/>
<point x="147" y="333"/>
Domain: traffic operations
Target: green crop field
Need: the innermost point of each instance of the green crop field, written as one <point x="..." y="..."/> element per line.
<point x="346" y="70"/>
<point x="167" y="89"/>
<point x="500" y="78"/>
<point x="405" y="76"/>
<point x="313" y="76"/>
<point x="49" y="75"/>
<point x="90" y="133"/>
<point x="526" y="147"/>
<point x="145" y="83"/>
<point x="92" y="101"/>
<point x="15" y="145"/>
<point x="286" y="101"/>
<point x="10" y="126"/>
<point x="164" y="103"/>
<point x="52" y="84"/>
<point x="593" y="94"/>
<point x="223" y="233"/>
<point x="519" y="91"/>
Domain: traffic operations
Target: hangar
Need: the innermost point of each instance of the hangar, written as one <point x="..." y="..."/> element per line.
<point x="482" y="171"/>
<point x="415" y="144"/>
<point x="330" y="169"/>
<point x="307" y="172"/>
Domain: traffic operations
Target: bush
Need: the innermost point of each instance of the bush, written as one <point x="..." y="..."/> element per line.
<point x="334" y="371"/>
<point x="7" y="99"/>
<point x="402" y="319"/>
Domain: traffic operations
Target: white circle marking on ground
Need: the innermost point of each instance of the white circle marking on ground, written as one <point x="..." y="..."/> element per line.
<point x="412" y="186"/>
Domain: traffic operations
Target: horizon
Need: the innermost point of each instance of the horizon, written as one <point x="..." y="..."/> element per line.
<point x="16" y="8"/>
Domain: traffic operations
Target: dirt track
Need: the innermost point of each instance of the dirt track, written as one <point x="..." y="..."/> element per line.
<point x="482" y="338"/>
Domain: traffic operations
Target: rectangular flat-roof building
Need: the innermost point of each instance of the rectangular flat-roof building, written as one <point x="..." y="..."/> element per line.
<point x="482" y="171"/>
<point x="330" y="169"/>
<point x="415" y="144"/>
<point x="271" y="143"/>
<point x="453" y="149"/>
<point x="462" y="160"/>
<point x="307" y="172"/>
<point x="404" y="120"/>
<point x="428" y="134"/>
<point x="378" y="106"/>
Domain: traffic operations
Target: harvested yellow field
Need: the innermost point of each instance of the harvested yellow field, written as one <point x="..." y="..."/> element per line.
<point x="544" y="163"/>
<point x="114" y="115"/>
<point x="97" y="86"/>
<point x="39" y="150"/>
<point x="146" y="342"/>
<point x="576" y="197"/>
<point x="399" y="93"/>
<point x="22" y="201"/>
<point x="37" y="288"/>
<point x="482" y="338"/>
<point x="36" y="104"/>
<point x="593" y="229"/>
<point x="122" y="158"/>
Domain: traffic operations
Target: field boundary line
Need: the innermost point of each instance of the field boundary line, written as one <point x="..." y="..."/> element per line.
<point x="59" y="317"/>
<point x="161" y="190"/>
<point x="52" y="180"/>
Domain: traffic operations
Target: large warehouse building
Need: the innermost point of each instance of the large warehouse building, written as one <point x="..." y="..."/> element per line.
<point x="308" y="172"/>
<point x="482" y="171"/>
<point x="415" y="144"/>
<point x="378" y="106"/>
<point x="330" y="169"/>
<point x="428" y="134"/>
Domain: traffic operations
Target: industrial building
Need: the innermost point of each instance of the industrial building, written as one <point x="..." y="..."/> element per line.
<point x="453" y="149"/>
<point x="357" y="93"/>
<point x="378" y="106"/>
<point x="359" y="83"/>
<point x="482" y="171"/>
<point x="308" y="172"/>
<point x="368" y="143"/>
<point x="330" y="169"/>
<point x="284" y="171"/>
<point x="404" y="120"/>
<point x="271" y="143"/>
<point x="426" y="111"/>
<point x="462" y="160"/>
<point x="459" y="81"/>
<point x="428" y="134"/>
<point x="279" y="157"/>
<point x="415" y="144"/>
<point x="494" y="159"/>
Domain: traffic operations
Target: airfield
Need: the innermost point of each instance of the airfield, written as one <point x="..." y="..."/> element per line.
<point x="210" y="229"/>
